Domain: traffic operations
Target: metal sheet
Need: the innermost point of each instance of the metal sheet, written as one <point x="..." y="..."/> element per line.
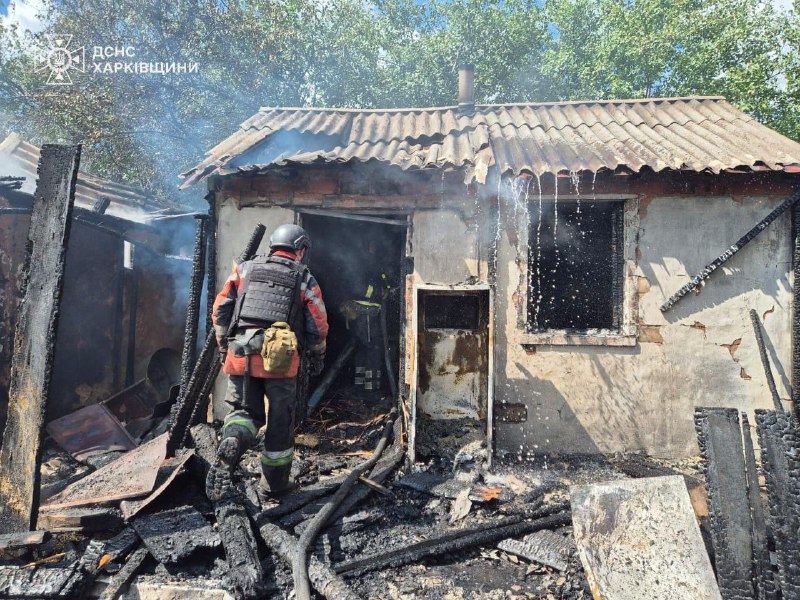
<point x="131" y="475"/>
<point x="167" y="473"/>
<point x="90" y="430"/>
<point x="638" y="538"/>
<point x="696" y="133"/>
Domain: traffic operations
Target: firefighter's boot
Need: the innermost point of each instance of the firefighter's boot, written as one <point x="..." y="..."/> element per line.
<point x="276" y="469"/>
<point x="238" y="434"/>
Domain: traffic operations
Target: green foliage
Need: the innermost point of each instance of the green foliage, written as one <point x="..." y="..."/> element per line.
<point x="144" y="129"/>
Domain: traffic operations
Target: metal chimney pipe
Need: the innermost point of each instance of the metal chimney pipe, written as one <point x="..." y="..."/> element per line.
<point x="466" y="88"/>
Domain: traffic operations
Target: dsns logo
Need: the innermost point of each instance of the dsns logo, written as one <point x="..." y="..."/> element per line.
<point x="60" y="59"/>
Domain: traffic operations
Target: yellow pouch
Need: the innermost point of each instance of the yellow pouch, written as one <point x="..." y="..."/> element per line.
<point x="280" y="346"/>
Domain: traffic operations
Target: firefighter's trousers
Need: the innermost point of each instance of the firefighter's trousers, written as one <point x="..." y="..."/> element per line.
<point x="272" y="400"/>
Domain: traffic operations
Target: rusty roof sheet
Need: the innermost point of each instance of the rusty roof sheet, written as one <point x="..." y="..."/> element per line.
<point x="696" y="133"/>
<point x="21" y="158"/>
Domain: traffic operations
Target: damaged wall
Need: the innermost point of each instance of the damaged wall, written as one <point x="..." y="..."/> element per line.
<point x="633" y="391"/>
<point x="610" y="395"/>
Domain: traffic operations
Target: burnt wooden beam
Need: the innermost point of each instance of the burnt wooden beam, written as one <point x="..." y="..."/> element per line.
<point x="129" y="570"/>
<point x="245" y="574"/>
<point x="765" y="584"/>
<point x="796" y="311"/>
<point x="455" y="541"/>
<point x="719" y="436"/>
<point x="780" y="457"/>
<point x="322" y="577"/>
<point x="211" y="259"/>
<point x="738" y="245"/>
<point x="193" y="309"/>
<point x="24" y="539"/>
<point x="35" y="336"/>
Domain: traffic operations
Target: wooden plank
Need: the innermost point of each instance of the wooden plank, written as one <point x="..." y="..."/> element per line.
<point x="15" y="541"/>
<point x="35" y="337"/>
<point x="719" y="436"/>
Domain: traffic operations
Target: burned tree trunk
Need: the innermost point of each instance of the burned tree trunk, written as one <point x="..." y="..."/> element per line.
<point x="35" y="337"/>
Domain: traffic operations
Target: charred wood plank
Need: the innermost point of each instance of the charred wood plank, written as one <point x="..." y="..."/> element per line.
<point x="173" y="535"/>
<point x="35" y="336"/>
<point x="25" y="539"/>
<point x="723" y="258"/>
<point x="454" y="541"/>
<point x="545" y="547"/>
<point x="206" y="369"/>
<point x="211" y="259"/>
<point x="796" y="312"/>
<point x="83" y="519"/>
<point x="780" y="457"/>
<point x="134" y="563"/>
<point x="193" y="308"/>
<point x="719" y="436"/>
<point x="765" y="585"/>
<point x="323" y="578"/>
<point x="245" y="575"/>
<point x="41" y="582"/>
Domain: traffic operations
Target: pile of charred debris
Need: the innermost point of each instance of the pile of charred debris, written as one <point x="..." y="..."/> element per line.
<point x="113" y="503"/>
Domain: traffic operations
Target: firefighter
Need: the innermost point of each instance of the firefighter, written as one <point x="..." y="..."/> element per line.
<point x="363" y="314"/>
<point x="269" y="310"/>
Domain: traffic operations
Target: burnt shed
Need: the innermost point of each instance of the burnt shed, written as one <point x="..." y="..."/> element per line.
<point x="534" y="245"/>
<point x="122" y="300"/>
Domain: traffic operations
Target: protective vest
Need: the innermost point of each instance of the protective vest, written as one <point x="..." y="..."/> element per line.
<point x="270" y="293"/>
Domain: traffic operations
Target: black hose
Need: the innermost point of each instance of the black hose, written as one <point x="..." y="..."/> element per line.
<point x="302" y="586"/>
<point x="762" y="350"/>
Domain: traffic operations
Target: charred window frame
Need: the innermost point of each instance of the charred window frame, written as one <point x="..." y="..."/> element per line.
<point x="576" y="267"/>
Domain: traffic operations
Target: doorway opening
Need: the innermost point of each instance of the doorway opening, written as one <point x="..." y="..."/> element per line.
<point x="357" y="261"/>
<point x="452" y="393"/>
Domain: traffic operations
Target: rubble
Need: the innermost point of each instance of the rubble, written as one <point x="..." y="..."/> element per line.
<point x="173" y="535"/>
<point x="544" y="547"/>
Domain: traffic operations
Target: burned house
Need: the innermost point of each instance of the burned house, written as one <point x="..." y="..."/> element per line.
<point x="533" y="246"/>
<point x="123" y="302"/>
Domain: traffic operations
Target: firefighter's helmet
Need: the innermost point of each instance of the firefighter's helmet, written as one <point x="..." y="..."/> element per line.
<point x="289" y="237"/>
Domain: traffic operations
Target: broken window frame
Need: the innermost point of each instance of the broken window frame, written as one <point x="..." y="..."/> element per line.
<point x="626" y="302"/>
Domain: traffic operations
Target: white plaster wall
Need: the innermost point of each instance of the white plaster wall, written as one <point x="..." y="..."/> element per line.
<point x="234" y="227"/>
<point x="607" y="399"/>
<point x="445" y="247"/>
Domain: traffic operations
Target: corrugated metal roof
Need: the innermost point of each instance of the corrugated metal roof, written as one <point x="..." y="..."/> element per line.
<point x="697" y="133"/>
<point x="20" y="158"/>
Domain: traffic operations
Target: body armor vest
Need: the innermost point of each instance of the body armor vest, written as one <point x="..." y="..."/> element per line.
<point x="270" y="293"/>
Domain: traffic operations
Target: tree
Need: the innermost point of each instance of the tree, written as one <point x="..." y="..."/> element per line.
<point x="144" y="129"/>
